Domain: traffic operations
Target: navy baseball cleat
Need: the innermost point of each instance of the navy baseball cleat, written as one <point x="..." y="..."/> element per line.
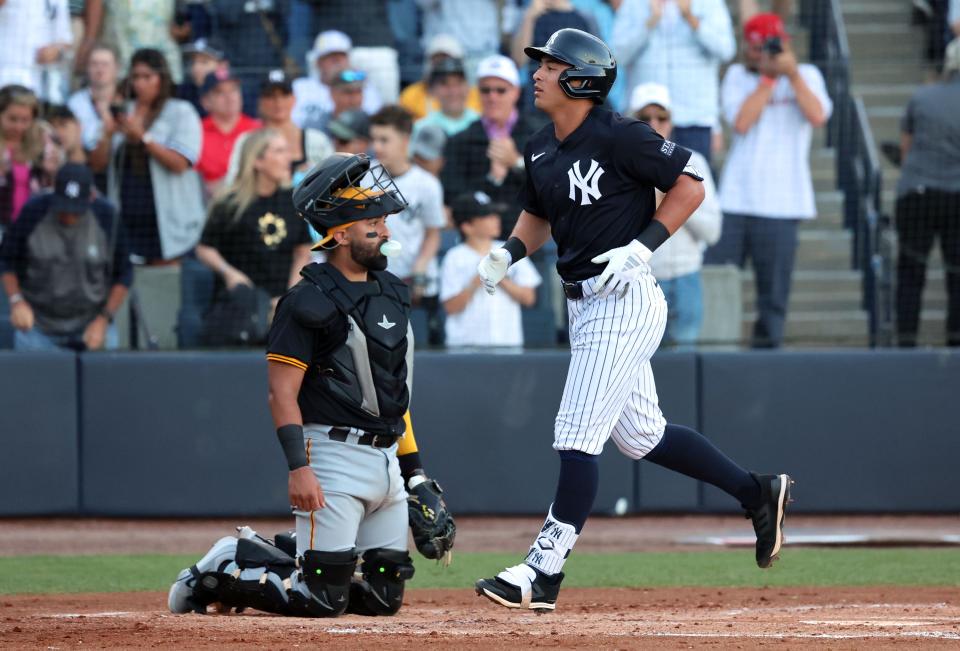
<point x="521" y="586"/>
<point x="768" y="517"/>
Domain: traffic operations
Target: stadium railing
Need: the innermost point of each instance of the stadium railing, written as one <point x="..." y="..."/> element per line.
<point x="859" y="175"/>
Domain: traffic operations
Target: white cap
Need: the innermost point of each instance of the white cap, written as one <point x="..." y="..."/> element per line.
<point x="501" y="67"/>
<point x="650" y="93"/>
<point x="329" y="42"/>
<point x="445" y="44"/>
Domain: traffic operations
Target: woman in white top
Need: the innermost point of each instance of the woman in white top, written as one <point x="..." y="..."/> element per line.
<point x="149" y="151"/>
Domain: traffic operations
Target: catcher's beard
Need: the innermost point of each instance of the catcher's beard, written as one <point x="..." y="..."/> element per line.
<point x="366" y="253"/>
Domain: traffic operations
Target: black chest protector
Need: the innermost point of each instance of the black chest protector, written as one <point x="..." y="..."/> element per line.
<point x="372" y="370"/>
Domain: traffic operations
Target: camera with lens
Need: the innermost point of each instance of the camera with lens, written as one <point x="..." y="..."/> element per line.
<point x="773" y="46"/>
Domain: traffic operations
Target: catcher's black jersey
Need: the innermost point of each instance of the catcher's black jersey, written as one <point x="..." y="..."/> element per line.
<point x="351" y="341"/>
<point x="596" y="188"/>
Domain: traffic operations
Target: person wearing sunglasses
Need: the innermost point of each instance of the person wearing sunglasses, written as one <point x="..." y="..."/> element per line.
<point x="677" y="262"/>
<point x="487" y="156"/>
<point x="329" y="57"/>
<point x="346" y="94"/>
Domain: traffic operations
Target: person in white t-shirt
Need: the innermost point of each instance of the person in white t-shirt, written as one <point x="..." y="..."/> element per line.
<point x="417" y="227"/>
<point x="476" y="318"/>
<point x="330" y="56"/>
<point x="677" y="262"/>
<point x="35" y="40"/>
<point x="773" y="104"/>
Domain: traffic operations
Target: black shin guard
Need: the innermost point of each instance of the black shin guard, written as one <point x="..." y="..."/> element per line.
<point x="327" y="575"/>
<point x="264" y="593"/>
<point x="380" y="591"/>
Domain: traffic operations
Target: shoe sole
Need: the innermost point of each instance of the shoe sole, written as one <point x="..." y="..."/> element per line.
<point x="782" y="499"/>
<point x="539" y="607"/>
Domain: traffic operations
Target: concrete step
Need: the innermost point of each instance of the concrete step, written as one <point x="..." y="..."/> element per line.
<point x="933" y="327"/>
<point x="820" y="328"/>
<point x="884" y="41"/>
<point x="810" y="289"/>
<point x="823" y="249"/>
<point x="887" y="70"/>
<point x="872" y="12"/>
<point x="813" y="302"/>
<point x="886" y="95"/>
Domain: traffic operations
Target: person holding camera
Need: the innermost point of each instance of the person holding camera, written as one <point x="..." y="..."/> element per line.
<point x="773" y="104"/>
<point x="149" y="148"/>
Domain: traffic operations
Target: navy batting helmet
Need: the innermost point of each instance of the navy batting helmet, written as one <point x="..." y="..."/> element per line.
<point x="343" y="189"/>
<point x="590" y="58"/>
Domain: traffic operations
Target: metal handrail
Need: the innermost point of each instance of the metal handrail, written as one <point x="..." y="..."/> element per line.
<point x="859" y="174"/>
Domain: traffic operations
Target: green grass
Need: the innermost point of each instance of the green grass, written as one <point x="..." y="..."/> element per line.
<point x="821" y="567"/>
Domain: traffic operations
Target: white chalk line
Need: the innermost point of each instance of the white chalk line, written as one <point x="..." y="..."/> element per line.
<point x="112" y="613"/>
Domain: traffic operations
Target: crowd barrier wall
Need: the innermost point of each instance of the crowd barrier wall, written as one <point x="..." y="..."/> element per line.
<point x="189" y="434"/>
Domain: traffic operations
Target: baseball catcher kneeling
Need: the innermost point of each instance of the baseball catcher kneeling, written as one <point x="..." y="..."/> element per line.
<point x="339" y="358"/>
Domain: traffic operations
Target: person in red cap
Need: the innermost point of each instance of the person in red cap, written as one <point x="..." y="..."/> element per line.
<point x="773" y="104"/>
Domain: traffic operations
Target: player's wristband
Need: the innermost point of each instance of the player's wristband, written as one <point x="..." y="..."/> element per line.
<point x="517" y="249"/>
<point x="769" y="82"/>
<point x="291" y="440"/>
<point x="654" y="235"/>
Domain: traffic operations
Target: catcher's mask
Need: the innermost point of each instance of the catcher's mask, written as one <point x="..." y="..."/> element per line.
<point x="342" y="190"/>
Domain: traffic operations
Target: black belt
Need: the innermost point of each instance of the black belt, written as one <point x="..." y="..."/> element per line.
<point x="374" y="440"/>
<point x="573" y="291"/>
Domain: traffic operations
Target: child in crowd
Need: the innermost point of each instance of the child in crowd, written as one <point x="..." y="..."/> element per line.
<point x="475" y="318"/>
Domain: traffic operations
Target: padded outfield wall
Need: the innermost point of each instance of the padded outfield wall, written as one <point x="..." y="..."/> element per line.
<point x="189" y="434"/>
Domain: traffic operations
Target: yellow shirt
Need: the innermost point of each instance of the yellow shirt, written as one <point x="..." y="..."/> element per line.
<point x="418" y="101"/>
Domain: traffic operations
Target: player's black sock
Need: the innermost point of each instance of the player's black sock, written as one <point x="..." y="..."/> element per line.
<point x="576" y="487"/>
<point x="688" y="452"/>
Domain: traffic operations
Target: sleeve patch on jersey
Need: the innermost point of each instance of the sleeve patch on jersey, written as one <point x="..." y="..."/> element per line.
<point x="667" y="148"/>
<point x="283" y="359"/>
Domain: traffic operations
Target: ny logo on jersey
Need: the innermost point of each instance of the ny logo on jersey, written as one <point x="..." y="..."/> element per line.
<point x="588" y="184"/>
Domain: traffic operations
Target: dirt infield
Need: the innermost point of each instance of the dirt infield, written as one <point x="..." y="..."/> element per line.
<point x="845" y="618"/>
<point x="612" y="618"/>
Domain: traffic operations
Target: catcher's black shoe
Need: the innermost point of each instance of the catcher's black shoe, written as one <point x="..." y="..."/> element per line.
<point x="521" y="586"/>
<point x="768" y="517"/>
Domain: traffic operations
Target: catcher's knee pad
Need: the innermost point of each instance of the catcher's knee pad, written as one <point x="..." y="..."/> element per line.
<point x="327" y="577"/>
<point x="380" y="589"/>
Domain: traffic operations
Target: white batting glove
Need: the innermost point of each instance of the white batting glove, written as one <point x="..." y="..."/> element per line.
<point x="625" y="264"/>
<point x="493" y="268"/>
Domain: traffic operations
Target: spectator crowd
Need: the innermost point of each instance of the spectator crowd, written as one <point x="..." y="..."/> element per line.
<point x="143" y="136"/>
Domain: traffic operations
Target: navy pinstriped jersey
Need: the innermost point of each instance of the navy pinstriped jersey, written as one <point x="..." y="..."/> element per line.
<point x="596" y="188"/>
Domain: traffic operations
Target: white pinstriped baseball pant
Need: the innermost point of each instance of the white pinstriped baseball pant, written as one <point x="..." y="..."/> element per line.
<point x="610" y="390"/>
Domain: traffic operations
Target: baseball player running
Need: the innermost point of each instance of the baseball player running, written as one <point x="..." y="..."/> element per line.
<point x="339" y="369"/>
<point x="591" y="176"/>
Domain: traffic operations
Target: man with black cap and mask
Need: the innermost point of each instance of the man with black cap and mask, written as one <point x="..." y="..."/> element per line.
<point x="338" y="365"/>
<point x="65" y="267"/>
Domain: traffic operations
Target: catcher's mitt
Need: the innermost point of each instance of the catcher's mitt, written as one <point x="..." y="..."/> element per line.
<point x="431" y="522"/>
